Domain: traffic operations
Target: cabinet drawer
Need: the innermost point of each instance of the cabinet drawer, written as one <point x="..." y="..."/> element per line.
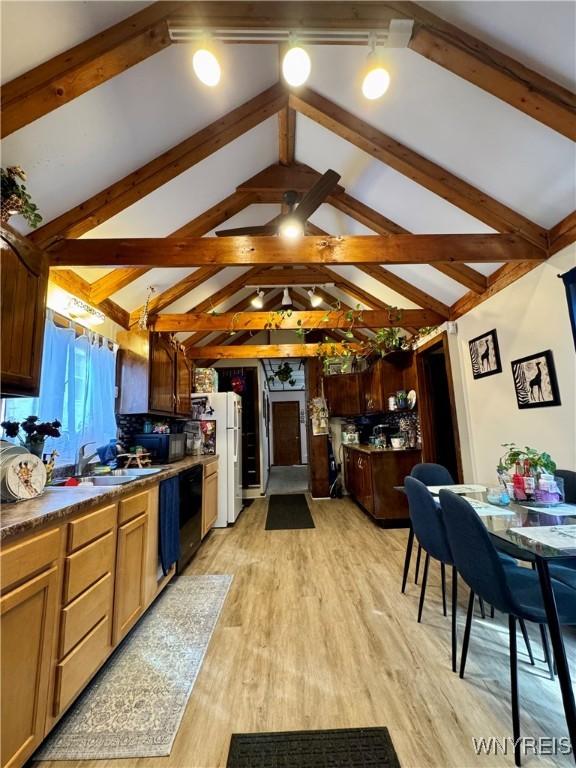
<point x="88" y="565"/>
<point x="24" y="559"/>
<point x="91" y="526"/>
<point x="84" y="613"/>
<point x="77" y="668"/>
<point x="132" y="507"/>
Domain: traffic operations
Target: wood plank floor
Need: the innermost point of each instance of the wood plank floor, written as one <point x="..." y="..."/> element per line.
<point x="315" y="634"/>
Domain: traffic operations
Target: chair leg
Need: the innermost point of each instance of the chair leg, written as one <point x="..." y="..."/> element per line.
<point x="443" y="577"/>
<point x="482" y="609"/>
<point x="423" y="587"/>
<point x="454" y="617"/>
<point x="526" y="640"/>
<point x="546" y="649"/>
<point x="514" y="688"/>
<point x="418" y="556"/>
<point x="407" y="558"/>
<point x="466" y="640"/>
<point x="491" y="611"/>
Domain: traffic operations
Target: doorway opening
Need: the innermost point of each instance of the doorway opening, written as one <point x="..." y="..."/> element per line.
<point x="244" y="381"/>
<point x="440" y="438"/>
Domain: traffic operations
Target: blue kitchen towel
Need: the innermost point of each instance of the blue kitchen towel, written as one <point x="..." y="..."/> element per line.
<point x="169" y="526"/>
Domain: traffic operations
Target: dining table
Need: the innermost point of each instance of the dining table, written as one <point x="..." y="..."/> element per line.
<point x="540" y="534"/>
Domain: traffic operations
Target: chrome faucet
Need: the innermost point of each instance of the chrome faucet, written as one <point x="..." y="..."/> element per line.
<point x="82" y="460"/>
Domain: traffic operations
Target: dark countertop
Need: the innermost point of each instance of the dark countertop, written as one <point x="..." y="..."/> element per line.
<point x="363" y="448"/>
<point x="58" y="503"/>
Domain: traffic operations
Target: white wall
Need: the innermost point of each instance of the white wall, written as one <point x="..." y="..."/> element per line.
<point x="530" y="316"/>
<point x="282" y="397"/>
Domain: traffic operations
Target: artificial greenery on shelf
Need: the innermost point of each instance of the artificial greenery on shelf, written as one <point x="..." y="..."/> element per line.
<point x="15" y="197"/>
<point x="539" y="462"/>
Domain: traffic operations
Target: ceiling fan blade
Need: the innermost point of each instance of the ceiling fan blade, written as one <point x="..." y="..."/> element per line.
<point x="265" y="229"/>
<point x="315" y="196"/>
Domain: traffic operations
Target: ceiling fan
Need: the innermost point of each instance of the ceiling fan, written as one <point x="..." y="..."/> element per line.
<point x="293" y="223"/>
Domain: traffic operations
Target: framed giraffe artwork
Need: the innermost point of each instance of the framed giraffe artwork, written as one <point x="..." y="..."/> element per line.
<point x="535" y="381"/>
<point x="485" y="355"/>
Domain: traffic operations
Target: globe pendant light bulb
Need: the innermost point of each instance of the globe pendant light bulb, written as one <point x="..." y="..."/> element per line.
<point x="296" y="66"/>
<point x="207" y="67"/>
<point x="376" y="82"/>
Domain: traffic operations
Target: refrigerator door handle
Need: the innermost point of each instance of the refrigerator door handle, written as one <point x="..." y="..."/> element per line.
<point x="235" y="457"/>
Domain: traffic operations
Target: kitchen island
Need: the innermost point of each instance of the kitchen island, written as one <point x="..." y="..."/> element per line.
<point x="370" y="475"/>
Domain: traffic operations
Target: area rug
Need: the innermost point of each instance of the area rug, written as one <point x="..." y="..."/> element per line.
<point x="341" y="748"/>
<point x="134" y="706"/>
<point x="288" y="511"/>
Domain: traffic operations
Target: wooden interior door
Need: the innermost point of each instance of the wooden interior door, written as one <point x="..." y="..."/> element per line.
<point x="286" y="428"/>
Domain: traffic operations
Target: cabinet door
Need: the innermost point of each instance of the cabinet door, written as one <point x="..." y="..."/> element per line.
<point x="162" y="373"/>
<point x="364" y="491"/>
<point x="209" y="502"/>
<point x="28" y="625"/>
<point x="24" y="281"/>
<point x="349" y="473"/>
<point x="184" y="384"/>
<point x="342" y="393"/>
<point x="372" y="388"/>
<point x="129" y="595"/>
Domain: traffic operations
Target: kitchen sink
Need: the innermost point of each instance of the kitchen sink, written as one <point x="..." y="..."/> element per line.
<point x="102" y="480"/>
<point x="136" y="472"/>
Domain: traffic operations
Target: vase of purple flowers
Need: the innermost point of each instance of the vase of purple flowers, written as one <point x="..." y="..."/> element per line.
<point x="35" y="432"/>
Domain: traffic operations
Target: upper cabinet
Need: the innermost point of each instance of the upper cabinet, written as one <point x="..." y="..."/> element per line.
<point x="24" y="281"/>
<point x="154" y="375"/>
<point x="342" y="392"/>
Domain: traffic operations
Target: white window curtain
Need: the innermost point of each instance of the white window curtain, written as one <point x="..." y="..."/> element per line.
<point x="77" y="387"/>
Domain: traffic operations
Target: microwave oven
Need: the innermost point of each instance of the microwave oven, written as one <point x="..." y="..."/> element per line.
<point x="163" y="448"/>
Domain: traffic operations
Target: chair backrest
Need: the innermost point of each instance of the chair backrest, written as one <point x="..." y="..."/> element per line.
<point x="426" y="520"/>
<point x="432" y="474"/>
<point x="473" y="552"/>
<point x="569" y="477"/>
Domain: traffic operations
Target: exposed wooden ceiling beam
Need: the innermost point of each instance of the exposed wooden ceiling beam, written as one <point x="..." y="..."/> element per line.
<point x="77" y="286"/>
<point x="407" y="290"/>
<point x="286" y="135"/>
<point x="491" y="70"/>
<point x="114" y="281"/>
<point x="309" y="319"/>
<point x="277" y="178"/>
<point x="563" y="234"/>
<point x="131" y="188"/>
<point x="276" y="251"/>
<point x="239" y="351"/>
<point x="288" y="277"/>
<point x="91" y="63"/>
<point x="415" y="166"/>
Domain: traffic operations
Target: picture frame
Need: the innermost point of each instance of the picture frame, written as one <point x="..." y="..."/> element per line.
<point x="535" y="382"/>
<point x="485" y="355"/>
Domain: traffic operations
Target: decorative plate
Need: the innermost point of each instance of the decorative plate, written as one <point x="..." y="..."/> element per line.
<point x="411" y="398"/>
<point x="24" y="477"/>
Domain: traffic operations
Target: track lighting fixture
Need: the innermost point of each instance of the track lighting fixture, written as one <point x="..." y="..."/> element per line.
<point x="376" y="78"/>
<point x="206" y="64"/>
<point x="286" y="298"/>
<point x="258" y="300"/>
<point x="296" y="64"/>
<point x="315" y="300"/>
<point x="291" y="228"/>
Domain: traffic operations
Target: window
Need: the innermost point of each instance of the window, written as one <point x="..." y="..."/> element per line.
<point x="77" y="387"/>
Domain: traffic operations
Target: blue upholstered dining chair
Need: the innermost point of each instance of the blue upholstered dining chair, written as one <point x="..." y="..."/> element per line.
<point x="514" y="591"/>
<point x="429" y="474"/>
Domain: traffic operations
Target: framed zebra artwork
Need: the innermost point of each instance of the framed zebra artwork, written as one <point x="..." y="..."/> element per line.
<point x="535" y="381"/>
<point x="485" y="355"/>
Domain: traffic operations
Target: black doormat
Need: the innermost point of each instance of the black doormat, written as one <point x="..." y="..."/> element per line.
<point x="340" y="748"/>
<point x="287" y="511"/>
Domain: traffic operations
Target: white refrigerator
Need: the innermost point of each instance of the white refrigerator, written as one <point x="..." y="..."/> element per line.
<point x="227" y="408"/>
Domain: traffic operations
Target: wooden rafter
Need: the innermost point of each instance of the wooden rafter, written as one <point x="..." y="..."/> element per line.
<point x="288" y="276"/>
<point x="406" y="289"/>
<point x="462" y="273"/>
<point x="309" y="319"/>
<point x="77" y="286"/>
<point x="286" y="135"/>
<point x="102" y="206"/>
<point x="334" y="303"/>
<point x="276" y="251"/>
<point x="563" y="234"/>
<point x="114" y="281"/>
<point x="238" y="351"/>
<point x="415" y="166"/>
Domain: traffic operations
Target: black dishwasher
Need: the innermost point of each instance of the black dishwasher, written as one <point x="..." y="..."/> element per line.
<point x="190" y="514"/>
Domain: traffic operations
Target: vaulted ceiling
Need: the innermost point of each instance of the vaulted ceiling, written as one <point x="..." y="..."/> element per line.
<point x="437" y="155"/>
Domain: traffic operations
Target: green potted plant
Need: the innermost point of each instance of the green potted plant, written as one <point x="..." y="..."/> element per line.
<point x="35" y="432"/>
<point x="15" y="197"/>
<point x="539" y="462"/>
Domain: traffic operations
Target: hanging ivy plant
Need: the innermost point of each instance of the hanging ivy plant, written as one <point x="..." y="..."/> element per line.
<point x="284" y="374"/>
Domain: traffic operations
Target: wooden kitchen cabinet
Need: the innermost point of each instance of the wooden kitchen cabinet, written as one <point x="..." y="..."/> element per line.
<point x="24" y="282"/>
<point x="373" y="396"/>
<point x="370" y="477"/>
<point x="342" y="392"/>
<point x="28" y="607"/>
<point x="130" y="585"/>
<point x="209" y="497"/>
<point x="153" y="374"/>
